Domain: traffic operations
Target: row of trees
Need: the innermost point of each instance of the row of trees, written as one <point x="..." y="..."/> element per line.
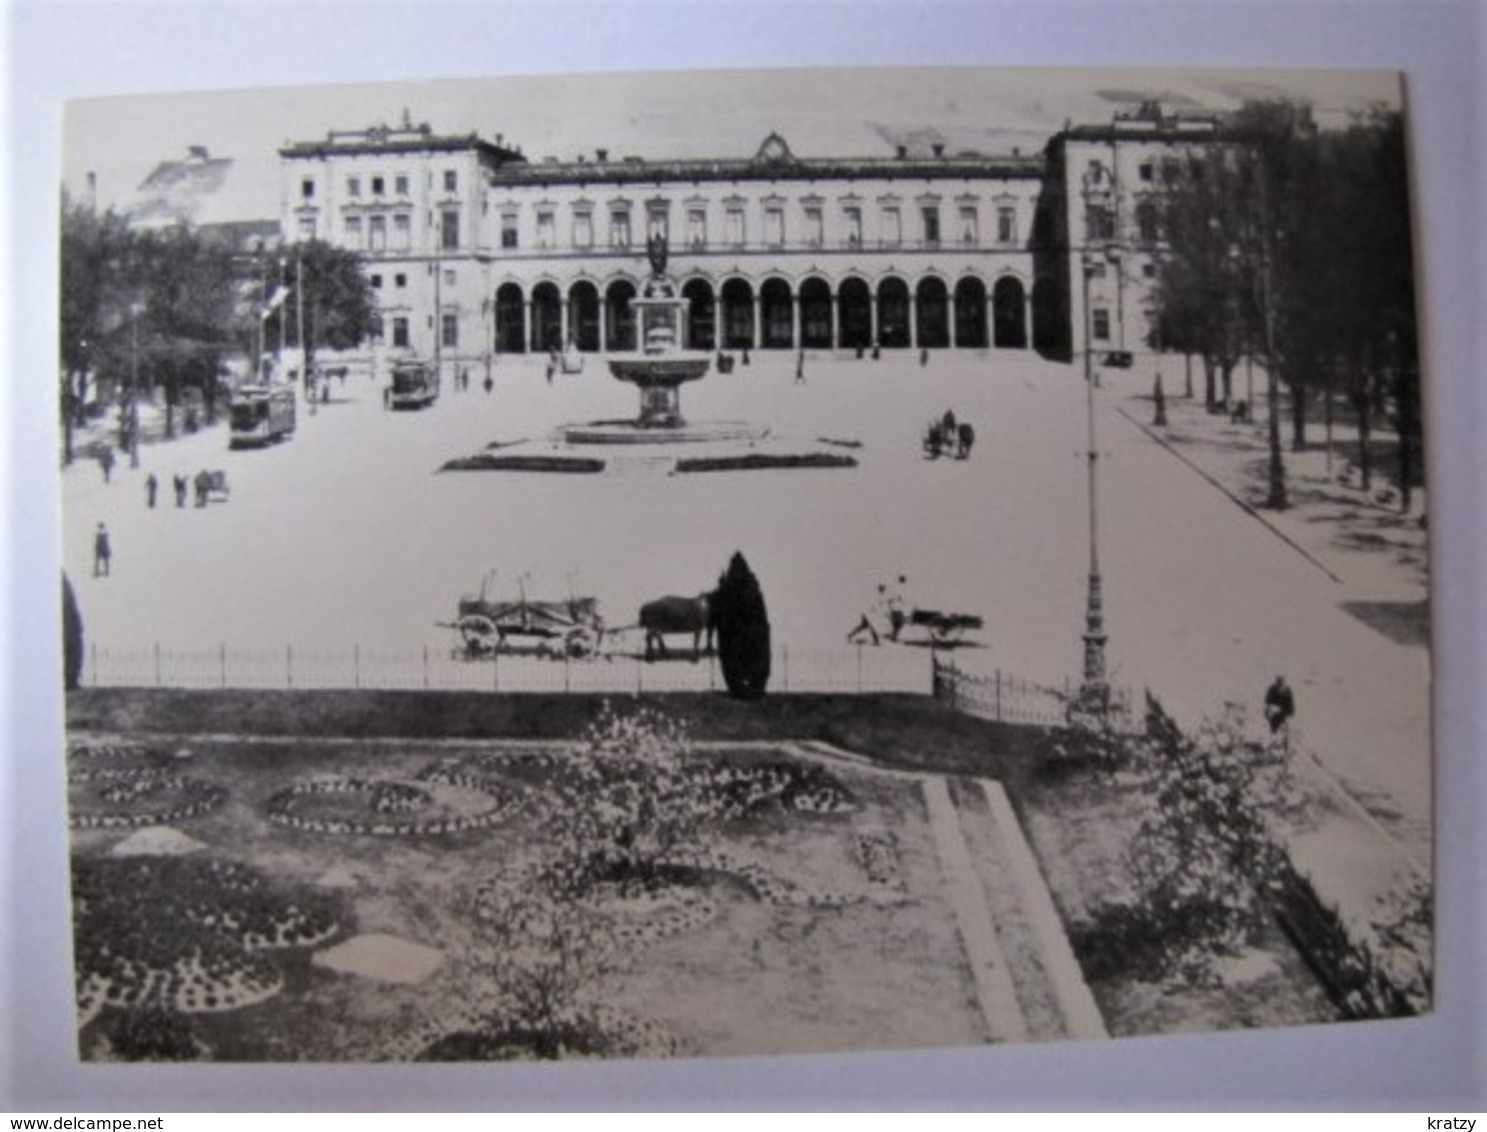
<point x="1292" y="247"/>
<point x="148" y="310"/>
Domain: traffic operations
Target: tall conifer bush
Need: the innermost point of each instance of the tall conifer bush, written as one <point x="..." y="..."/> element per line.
<point x="743" y="631"/>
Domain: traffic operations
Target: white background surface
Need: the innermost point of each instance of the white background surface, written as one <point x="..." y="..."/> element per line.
<point x="58" y="51"/>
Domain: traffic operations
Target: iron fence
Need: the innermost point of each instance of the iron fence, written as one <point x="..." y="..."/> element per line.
<point x="1007" y="698"/>
<point x="852" y="670"/>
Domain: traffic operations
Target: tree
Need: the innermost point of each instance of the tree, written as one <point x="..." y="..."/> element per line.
<point x="92" y="311"/>
<point x="334" y="300"/>
<point x="72" y="637"/>
<point x="143" y="307"/>
<point x="743" y="631"/>
<point x="1200" y="297"/>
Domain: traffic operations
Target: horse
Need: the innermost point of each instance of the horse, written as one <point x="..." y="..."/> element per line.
<point x="673" y="614"/>
<point x="966" y="438"/>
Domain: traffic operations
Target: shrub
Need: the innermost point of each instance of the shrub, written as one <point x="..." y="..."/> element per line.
<point x="72" y="637"/>
<point x="743" y="631"/>
<point x="1207" y="856"/>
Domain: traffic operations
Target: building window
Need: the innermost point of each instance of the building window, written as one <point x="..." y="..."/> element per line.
<point x="509" y="237"/>
<point x="1149" y="270"/>
<point x="737" y="231"/>
<point x="402" y="231"/>
<point x="353" y="232"/>
<point x="1145" y="170"/>
<point x="449" y="229"/>
<point x="400" y="185"/>
<point x="696" y="228"/>
<point x="307" y="189"/>
<point x="451" y="181"/>
<point x="657" y="223"/>
<point x="970" y="226"/>
<point x="400" y="280"/>
<point x="306" y="227"/>
<point x="546" y="229"/>
<point x="451" y="277"/>
<point x="892" y="227"/>
<point x="449" y="334"/>
<point x="1099" y="223"/>
<point x="379" y="186"/>
<point x="1148" y="221"/>
<point x="1006" y="224"/>
<point x="1171" y="170"/>
<point x="400" y="332"/>
<point x="353" y="186"/>
<point x="377" y="233"/>
<point x="375" y="328"/>
<point x="774" y="226"/>
<point x="377" y="282"/>
<point x="1100" y="320"/>
<point x="931" y="216"/>
<point x="852" y="224"/>
<point x="619" y="228"/>
<point x="583" y="230"/>
<point x="815" y="228"/>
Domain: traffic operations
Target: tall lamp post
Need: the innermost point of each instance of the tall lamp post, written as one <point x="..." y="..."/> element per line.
<point x="135" y="310"/>
<point x="1094" y="693"/>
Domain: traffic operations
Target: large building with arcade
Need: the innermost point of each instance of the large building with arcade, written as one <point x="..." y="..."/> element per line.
<point x="475" y="252"/>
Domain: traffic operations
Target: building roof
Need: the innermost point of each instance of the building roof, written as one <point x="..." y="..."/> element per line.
<point x="771" y="163"/>
<point x="404" y="139"/>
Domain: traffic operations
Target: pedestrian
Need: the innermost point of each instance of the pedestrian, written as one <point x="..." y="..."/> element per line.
<point x="489" y="384"/>
<point x="152" y="485"/>
<point x="1280" y="705"/>
<point x="800" y="368"/>
<point x="924" y="355"/>
<point x="947" y="428"/>
<point x="106" y="464"/>
<point x="465" y="379"/>
<point x="896" y="606"/>
<point x="865" y="624"/>
<point x="179" y="482"/>
<point x="102" y="552"/>
<point x="203" y="484"/>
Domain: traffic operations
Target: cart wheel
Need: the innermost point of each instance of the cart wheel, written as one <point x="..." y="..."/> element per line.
<point x="477" y="631"/>
<point x="579" y="644"/>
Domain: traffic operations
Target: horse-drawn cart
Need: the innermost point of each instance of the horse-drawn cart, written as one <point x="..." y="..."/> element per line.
<point x="944" y="629"/>
<point x="568" y="627"/>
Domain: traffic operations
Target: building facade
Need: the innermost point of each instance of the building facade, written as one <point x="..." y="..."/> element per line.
<point x="1105" y="235"/>
<point x="475" y="252"/>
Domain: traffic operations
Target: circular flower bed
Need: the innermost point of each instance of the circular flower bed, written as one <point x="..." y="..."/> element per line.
<point x="184" y="933"/>
<point x="446" y="799"/>
<point x="114" y="786"/>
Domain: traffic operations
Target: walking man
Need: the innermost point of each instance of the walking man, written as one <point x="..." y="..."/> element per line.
<point x="180" y="485"/>
<point x="102" y="552"/>
<point x="152" y="485"/>
<point x="865" y="624"/>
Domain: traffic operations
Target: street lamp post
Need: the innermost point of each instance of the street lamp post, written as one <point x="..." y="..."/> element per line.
<point x="132" y="426"/>
<point x="1094" y="694"/>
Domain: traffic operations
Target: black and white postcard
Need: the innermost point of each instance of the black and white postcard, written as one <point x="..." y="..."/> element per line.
<point x="682" y="565"/>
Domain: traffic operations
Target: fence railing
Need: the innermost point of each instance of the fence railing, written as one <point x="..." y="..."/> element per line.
<point x="848" y="671"/>
<point x="1007" y="698"/>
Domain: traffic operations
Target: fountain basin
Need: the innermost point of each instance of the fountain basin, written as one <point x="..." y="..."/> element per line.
<point x="679" y="432"/>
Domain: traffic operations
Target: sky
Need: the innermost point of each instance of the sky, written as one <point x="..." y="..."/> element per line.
<point x="858" y="112"/>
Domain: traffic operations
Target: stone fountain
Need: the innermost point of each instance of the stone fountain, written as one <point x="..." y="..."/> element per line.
<point x="658" y="372"/>
<point x="655" y="440"/>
